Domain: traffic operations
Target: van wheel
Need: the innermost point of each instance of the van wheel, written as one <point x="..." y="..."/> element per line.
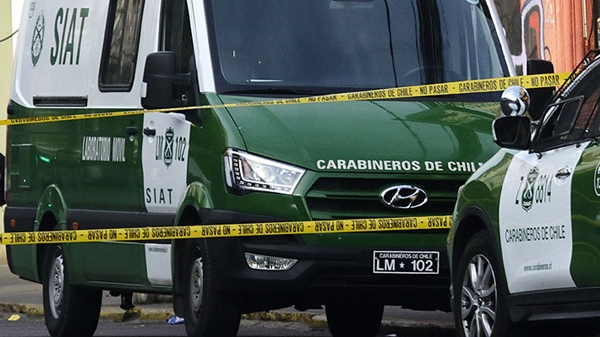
<point x="353" y="319"/>
<point x="68" y="310"/>
<point x="479" y="292"/>
<point x="208" y="311"/>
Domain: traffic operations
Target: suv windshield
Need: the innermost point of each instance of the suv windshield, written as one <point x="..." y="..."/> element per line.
<point x="335" y="45"/>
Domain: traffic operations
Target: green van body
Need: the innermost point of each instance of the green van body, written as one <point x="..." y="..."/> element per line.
<point x="177" y="168"/>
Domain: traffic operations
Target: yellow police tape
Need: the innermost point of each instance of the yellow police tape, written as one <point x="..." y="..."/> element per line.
<point x="228" y="230"/>
<point x="439" y="89"/>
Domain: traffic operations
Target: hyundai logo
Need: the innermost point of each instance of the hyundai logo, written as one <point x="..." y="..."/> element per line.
<point x="403" y="197"/>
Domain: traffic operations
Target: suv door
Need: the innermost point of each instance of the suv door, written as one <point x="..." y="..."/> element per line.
<point x="549" y="234"/>
<point x="585" y="195"/>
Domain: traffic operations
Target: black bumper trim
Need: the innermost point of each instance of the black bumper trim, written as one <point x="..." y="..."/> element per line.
<point x="555" y="304"/>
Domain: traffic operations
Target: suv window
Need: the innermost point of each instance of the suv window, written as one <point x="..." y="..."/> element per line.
<point x="121" y="41"/>
<point x="575" y="118"/>
<point x="590" y="107"/>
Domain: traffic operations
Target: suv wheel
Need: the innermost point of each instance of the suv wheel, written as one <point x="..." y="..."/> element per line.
<point x="479" y="299"/>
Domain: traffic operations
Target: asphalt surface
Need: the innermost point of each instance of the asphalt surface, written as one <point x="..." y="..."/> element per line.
<point x="19" y="296"/>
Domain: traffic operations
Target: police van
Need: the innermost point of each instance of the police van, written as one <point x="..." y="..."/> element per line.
<point x="246" y="164"/>
<point x="524" y="244"/>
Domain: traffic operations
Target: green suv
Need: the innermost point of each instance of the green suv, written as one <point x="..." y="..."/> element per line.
<point x="525" y="241"/>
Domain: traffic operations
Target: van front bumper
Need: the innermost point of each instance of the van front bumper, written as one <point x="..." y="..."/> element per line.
<point x="322" y="273"/>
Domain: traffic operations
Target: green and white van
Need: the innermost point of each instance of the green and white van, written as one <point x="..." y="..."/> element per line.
<point x="268" y="163"/>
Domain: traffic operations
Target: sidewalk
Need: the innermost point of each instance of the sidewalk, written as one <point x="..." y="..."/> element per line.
<point x="22" y="297"/>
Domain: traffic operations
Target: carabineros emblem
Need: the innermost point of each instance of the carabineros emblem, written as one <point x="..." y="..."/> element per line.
<point x="528" y="192"/>
<point x="168" y="154"/>
<point x="37" y="41"/>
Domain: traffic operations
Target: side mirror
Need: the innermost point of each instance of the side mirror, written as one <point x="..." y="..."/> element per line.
<point x="164" y="87"/>
<point x="512" y="132"/>
<point x="514" y="101"/>
<point x="541" y="96"/>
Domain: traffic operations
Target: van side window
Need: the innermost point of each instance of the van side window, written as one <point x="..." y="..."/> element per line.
<point x="119" y="53"/>
<point x="176" y="34"/>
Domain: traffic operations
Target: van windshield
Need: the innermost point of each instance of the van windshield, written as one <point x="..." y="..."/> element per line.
<point x="330" y="46"/>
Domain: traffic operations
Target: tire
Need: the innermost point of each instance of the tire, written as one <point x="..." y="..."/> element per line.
<point x="208" y="311"/>
<point x="68" y="310"/>
<point x="480" y="292"/>
<point x="354" y="319"/>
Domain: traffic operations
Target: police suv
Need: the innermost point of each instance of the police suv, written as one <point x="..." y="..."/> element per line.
<point x="525" y="243"/>
<point x="248" y="163"/>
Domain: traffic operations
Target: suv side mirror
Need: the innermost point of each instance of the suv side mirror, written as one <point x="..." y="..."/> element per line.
<point x="512" y="132"/>
<point x="164" y="87"/>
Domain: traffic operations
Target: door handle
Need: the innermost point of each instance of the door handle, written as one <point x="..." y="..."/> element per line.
<point x="149" y="132"/>
<point x="563" y="173"/>
<point x="131" y="130"/>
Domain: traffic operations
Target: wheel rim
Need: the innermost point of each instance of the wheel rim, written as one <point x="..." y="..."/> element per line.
<point x="479" y="297"/>
<point x="196" y="284"/>
<point x="56" y="286"/>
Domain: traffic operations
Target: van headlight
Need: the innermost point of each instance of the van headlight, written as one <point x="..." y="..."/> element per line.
<point x="249" y="172"/>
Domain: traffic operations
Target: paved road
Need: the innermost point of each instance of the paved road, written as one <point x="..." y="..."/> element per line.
<point x="25" y="298"/>
<point x="34" y="327"/>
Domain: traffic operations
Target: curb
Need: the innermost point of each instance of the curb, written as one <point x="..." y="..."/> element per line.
<point x="120" y="315"/>
<point x="284" y="316"/>
<point x="110" y="313"/>
<point x="27" y="309"/>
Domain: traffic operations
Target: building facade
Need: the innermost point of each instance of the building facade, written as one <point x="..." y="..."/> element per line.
<point x="6" y="55"/>
<point x="561" y="31"/>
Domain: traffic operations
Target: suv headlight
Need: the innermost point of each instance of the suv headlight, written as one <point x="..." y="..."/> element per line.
<point x="250" y="172"/>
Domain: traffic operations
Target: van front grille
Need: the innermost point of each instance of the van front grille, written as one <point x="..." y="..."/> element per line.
<point x="355" y="198"/>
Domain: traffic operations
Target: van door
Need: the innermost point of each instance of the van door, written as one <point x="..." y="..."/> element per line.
<point x="109" y="147"/>
<point x="164" y="158"/>
<point x="166" y="135"/>
<point x="114" y="185"/>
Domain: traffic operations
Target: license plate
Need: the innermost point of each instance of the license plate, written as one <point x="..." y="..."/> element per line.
<point x="406" y="262"/>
